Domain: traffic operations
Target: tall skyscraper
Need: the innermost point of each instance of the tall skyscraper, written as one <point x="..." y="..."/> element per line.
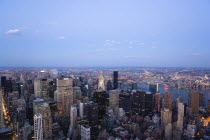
<point x="42" y="107"/>
<point x="41" y="88"/>
<point x="157" y="101"/>
<point x="149" y="102"/>
<point x="100" y="97"/>
<point x="115" y="80"/>
<point x="73" y="121"/>
<point x="37" y="88"/>
<point x="8" y="86"/>
<point x="168" y="131"/>
<point x="64" y="94"/>
<point x="3" y="81"/>
<point x="153" y="88"/>
<point x="89" y="116"/>
<point x="180" y="116"/>
<point x="193" y="102"/>
<point x="114" y="99"/>
<point x="138" y="102"/>
<point x="125" y="102"/>
<point x="109" y="85"/>
<point x="101" y="85"/>
<point x="201" y="100"/>
<point x="166" y="116"/>
<point x="38" y="131"/>
<point x="167" y="100"/>
<point x="45" y="88"/>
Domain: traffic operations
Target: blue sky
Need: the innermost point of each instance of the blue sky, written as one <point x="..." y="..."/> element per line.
<point x="105" y="33"/>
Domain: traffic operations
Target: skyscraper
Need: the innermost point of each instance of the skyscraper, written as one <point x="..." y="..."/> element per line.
<point x="138" y="102"/>
<point x="44" y="88"/>
<point x="101" y="85"/>
<point x="149" y="100"/>
<point x="64" y="94"/>
<point x="166" y="116"/>
<point x="73" y="121"/>
<point x="125" y="102"/>
<point x="38" y="131"/>
<point x="115" y="80"/>
<point x="157" y="101"/>
<point x="201" y="100"/>
<point x="180" y="116"/>
<point x="85" y="132"/>
<point x="37" y="88"/>
<point x="109" y="85"/>
<point x="167" y="100"/>
<point x="3" y="81"/>
<point x="193" y="101"/>
<point x="100" y="97"/>
<point x="42" y="107"/>
<point x="114" y="99"/>
<point x="8" y="86"/>
<point x="153" y="88"/>
<point x="89" y="116"/>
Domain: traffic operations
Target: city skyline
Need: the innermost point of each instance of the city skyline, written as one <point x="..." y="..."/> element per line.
<point x="104" y="33"/>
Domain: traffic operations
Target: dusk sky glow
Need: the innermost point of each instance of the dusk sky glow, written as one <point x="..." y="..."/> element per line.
<point x="65" y="33"/>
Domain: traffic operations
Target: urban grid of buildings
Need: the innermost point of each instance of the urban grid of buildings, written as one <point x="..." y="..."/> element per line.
<point x="112" y="104"/>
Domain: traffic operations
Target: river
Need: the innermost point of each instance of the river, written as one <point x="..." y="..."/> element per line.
<point x="176" y="92"/>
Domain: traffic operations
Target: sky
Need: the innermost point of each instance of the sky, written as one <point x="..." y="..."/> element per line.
<point x="83" y="33"/>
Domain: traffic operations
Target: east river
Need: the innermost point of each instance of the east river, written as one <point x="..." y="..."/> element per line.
<point x="176" y="92"/>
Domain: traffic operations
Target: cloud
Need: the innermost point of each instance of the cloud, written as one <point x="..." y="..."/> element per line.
<point x="131" y="47"/>
<point x="61" y="37"/>
<point x="13" y="32"/>
<point x="111" y="42"/>
<point x="154" y="47"/>
<point x="195" y="54"/>
<point x="136" y="42"/>
<point x="130" y="57"/>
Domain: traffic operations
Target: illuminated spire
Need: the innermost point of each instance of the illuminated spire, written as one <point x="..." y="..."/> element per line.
<point x="101" y="85"/>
